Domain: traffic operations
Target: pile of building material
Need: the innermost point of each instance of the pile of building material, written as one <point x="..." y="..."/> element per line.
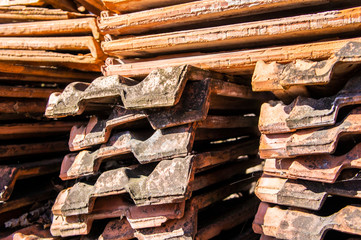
<point x="41" y="51"/>
<point x="43" y="55"/>
<point x="175" y="147"/>
<point x="307" y="144"/>
<point x="164" y="144"/>
<point x="39" y="9"/>
<point x="317" y="52"/>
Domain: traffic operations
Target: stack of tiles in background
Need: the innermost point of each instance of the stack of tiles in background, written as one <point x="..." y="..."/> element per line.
<point x="171" y="156"/>
<point x="43" y="47"/>
<point x="35" y="10"/>
<point x="41" y="51"/>
<point x="221" y="35"/>
<point x="40" y="56"/>
<point x="311" y="148"/>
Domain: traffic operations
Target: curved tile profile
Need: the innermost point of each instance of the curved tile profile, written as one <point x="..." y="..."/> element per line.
<point x="156" y="183"/>
<point x="303" y="194"/>
<point x="276" y="117"/>
<point x="276" y="76"/>
<point x="186" y="227"/>
<point x="168" y="181"/>
<point x="296" y="224"/>
<point x="88" y="163"/>
<point x="321" y="168"/>
<point x="161" y="88"/>
<point x="112" y="207"/>
<point x="192" y="107"/>
<point x="310" y="141"/>
<point x="162" y="144"/>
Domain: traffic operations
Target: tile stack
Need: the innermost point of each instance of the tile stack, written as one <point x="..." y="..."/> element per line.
<point x="309" y="51"/>
<point x="173" y="155"/>
<point x="42" y="49"/>
<point x="201" y="33"/>
<point x="165" y="142"/>
<point x="307" y="144"/>
<point x="35" y="10"/>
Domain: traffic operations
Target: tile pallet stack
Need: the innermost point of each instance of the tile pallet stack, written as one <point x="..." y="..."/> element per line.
<point x="42" y="50"/>
<point x="173" y="147"/>
<point x="307" y="144"/>
<point x="315" y="52"/>
<point x="171" y="123"/>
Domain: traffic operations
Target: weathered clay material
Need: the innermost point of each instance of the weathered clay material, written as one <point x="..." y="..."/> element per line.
<point x="33" y="232"/>
<point x="10" y="174"/>
<point x="191" y="13"/>
<point x="163" y="144"/>
<point x="239" y="35"/>
<point x="276" y="76"/>
<point x="320" y="168"/>
<point x="193" y="106"/>
<point x="122" y="6"/>
<point x="47" y="58"/>
<point x="74" y="44"/>
<point x="186" y="227"/>
<point x="277" y="117"/>
<point x="24" y="14"/>
<point x="98" y="131"/>
<point x="161" y="88"/>
<point x="296" y="224"/>
<point x="117" y="229"/>
<point x="112" y="207"/>
<point x="310" y="141"/>
<point x="40" y="74"/>
<point x="51" y="28"/>
<point x="87" y="163"/>
<point x="303" y="194"/>
<point x="157" y="183"/>
<point x="235" y="62"/>
<point x="83" y="137"/>
<point x="22" y="2"/>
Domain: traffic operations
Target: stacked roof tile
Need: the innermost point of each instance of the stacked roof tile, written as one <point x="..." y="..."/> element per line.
<point x="158" y="103"/>
<point x="45" y="45"/>
<point x="172" y="147"/>
<point x="310" y="183"/>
